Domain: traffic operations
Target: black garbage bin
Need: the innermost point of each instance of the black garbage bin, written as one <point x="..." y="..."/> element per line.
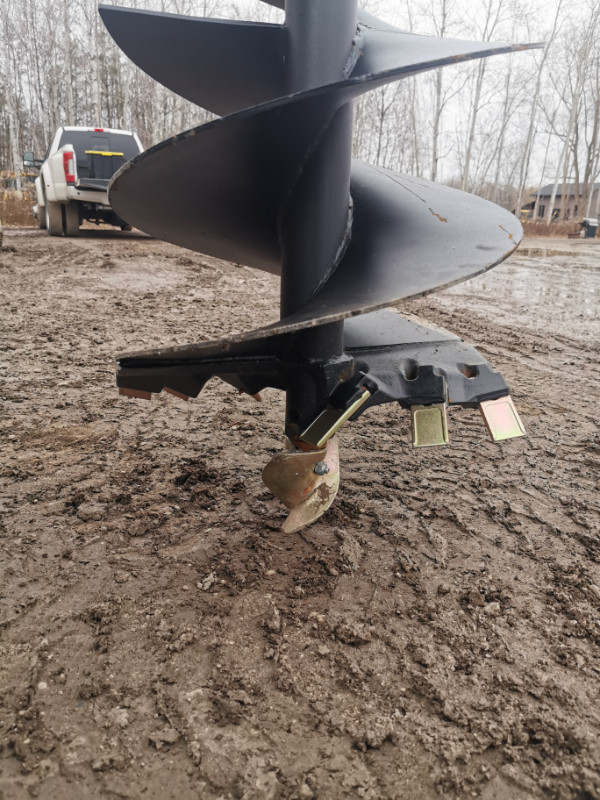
<point x="590" y="226"/>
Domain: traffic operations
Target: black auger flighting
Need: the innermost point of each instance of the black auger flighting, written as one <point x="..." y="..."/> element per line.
<point x="271" y="184"/>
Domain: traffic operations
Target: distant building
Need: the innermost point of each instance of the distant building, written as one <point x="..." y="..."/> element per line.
<point x="573" y="207"/>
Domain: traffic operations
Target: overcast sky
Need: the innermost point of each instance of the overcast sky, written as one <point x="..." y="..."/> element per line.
<point x="396" y="11"/>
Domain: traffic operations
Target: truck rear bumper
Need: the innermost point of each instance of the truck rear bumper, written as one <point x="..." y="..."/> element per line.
<point x="88" y="196"/>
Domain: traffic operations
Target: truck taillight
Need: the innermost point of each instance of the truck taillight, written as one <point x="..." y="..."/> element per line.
<point x="69" y="167"/>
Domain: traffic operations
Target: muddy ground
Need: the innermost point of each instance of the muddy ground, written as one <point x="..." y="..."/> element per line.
<point x="437" y="633"/>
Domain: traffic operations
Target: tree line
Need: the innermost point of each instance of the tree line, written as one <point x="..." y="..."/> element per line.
<point x="500" y="127"/>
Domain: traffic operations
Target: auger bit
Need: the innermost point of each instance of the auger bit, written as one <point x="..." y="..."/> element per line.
<point x="271" y="184"/>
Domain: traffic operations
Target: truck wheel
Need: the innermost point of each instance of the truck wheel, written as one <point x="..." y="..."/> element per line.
<point x="72" y="218"/>
<point x="41" y="217"/>
<point x="54" y="222"/>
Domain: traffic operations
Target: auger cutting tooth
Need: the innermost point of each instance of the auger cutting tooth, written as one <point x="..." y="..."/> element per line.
<point x="138" y="393"/>
<point x="305" y="482"/>
<point x="175" y="393"/>
<point x="429" y="425"/>
<point x="272" y="185"/>
<point x="501" y="419"/>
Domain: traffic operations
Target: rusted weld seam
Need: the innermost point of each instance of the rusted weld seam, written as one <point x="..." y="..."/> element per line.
<point x="355" y="53"/>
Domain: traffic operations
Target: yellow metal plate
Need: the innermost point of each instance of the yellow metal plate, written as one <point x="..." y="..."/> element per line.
<point x="429" y="425"/>
<point x="501" y="419"/>
<point x="101" y="153"/>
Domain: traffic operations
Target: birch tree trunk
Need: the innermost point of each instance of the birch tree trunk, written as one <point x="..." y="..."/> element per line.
<point x="549" y="212"/>
<point x="438" y="82"/>
<point x="536" y="205"/>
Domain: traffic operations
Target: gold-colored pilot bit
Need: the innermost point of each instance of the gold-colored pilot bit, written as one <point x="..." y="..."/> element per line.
<point x="306" y="482"/>
<point x="501" y="419"/>
<point x="429" y="425"/>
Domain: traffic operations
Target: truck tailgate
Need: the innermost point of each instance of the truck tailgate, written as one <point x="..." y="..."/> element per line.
<point x="99" y="184"/>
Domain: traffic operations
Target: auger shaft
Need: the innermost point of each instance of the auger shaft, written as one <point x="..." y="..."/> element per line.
<point x="315" y="221"/>
<point x="319" y="41"/>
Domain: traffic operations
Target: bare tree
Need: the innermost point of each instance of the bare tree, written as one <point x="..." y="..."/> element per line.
<point x="479" y="125"/>
<point x="534" y="108"/>
<point x="579" y="45"/>
<point x="491" y="19"/>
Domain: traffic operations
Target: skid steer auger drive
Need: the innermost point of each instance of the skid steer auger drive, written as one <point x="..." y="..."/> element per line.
<point x="271" y="184"/>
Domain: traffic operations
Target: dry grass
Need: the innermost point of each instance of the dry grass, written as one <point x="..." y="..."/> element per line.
<point x="15" y="210"/>
<point x="555" y="229"/>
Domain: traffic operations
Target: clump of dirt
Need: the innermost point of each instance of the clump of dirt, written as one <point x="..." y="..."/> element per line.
<point x="434" y="634"/>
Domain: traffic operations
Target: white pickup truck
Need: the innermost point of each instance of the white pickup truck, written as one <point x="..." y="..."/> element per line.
<point x="74" y="177"/>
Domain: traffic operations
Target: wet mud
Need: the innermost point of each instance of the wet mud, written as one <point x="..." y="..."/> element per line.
<point x="436" y="634"/>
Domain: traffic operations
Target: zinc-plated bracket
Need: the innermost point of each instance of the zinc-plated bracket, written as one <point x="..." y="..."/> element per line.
<point x="429" y="425"/>
<point x="501" y="419"/>
<point x="330" y="420"/>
